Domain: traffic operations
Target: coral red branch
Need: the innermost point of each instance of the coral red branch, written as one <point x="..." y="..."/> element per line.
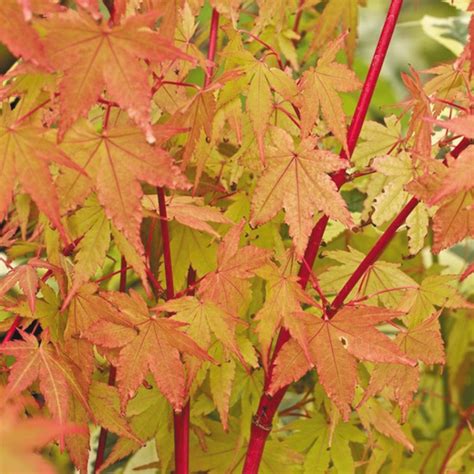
<point x="261" y="426"/>
<point x="382" y="243"/>
<point x="211" y="52"/>
<point x="457" y="434"/>
<point x="165" y="235"/>
<point x="99" y="460"/>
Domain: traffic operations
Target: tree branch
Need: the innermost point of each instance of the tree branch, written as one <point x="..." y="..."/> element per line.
<point x="99" y="460"/>
<point x="262" y="424"/>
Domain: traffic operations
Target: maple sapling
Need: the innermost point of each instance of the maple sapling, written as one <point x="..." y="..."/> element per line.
<point x="169" y="174"/>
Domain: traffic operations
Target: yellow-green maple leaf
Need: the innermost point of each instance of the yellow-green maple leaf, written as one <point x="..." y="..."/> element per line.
<point x="297" y="180"/>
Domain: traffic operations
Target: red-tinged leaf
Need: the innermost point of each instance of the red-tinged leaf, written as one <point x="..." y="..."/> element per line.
<point x="85" y="309"/>
<point x="116" y="161"/>
<point x="92" y="6"/>
<point x="204" y="317"/>
<point x="458" y="178"/>
<point x="424" y="343"/>
<point x="228" y="285"/>
<point x="95" y="55"/>
<point x="459" y="126"/>
<point x="189" y="211"/>
<point x="454" y="219"/>
<point x="27" y="278"/>
<point x="373" y="414"/>
<point x="18" y="35"/>
<point x="297" y="180"/>
<point x="147" y="343"/>
<point x="36" y="361"/>
<point x="21" y="439"/>
<point x="283" y="297"/>
<point x="25" y="152"/>
<point x="332" y="346"/>
<point x="319" y="89"/>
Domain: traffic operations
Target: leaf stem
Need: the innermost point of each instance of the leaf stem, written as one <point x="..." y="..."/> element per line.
<point x="99" y="460"/>
<point x="457" y="434"/>
<point x="268" y="405"/>
<point x="382" y="243"/>
<point x="211" y="52"/>
<point x="165" y="235"/>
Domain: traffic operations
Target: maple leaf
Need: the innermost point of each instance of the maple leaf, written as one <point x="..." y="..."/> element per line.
<point x="322" y="443"/>
<point x="116" y="160"/>
<point x="105" y="405"/>
<point x="27" y="278"/>
<point x="198" y="115"/>
<point x="297" y="180"/>
<point x="202" y="318"/>
<point x="85" y="309"/>
<point x="147" y="343"/>
<point x="19" y="35"/>
<point x="329" y="20"/>
<point x="373" y="414"/>
<point x="459" y="126"/>
<point x="332" y="346"/>
<point x="262" y="81"/>
<point x="228" y="285"/>
<point x="149" y="415"/>
<point x="422" y="342"/>
<point x="452" y="189"/>
<point x="93" y="230"/>
<point x="189" y="211"/>
<point x="434" y="291"/>
<point x="22" y="438"/>
<point x="377" y="140"/>
<point x="283" y="297"/>
<point x="379" y="277"/>
<point x="96" y="55"/>
<point x="26" y="151"/>
<point x="319" y="89"/>
<point x="459" y="177"/>
<point x="41" y="362"/>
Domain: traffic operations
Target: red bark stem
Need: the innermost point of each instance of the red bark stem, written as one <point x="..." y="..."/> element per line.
<point x="268" y="405"/>
<point x="261" y="425"/>
<point x="99" y="460"/>
<point x="165" y="235"/>
<point x="382" y="243"/>
<point x="180" y="420"/>
<point x="211" y="52"/>
<point x="355" y="127"/>
<point x="457" y="434"/>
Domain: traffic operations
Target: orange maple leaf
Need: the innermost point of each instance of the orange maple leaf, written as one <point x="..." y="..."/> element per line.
<point x="35" y="361"/>
<point x="26" y="152"/>
<point x="297" y="180"/>
<point x="21" y="439"/>
<point x="333" y="346"/>
<point x="96" y="55"/>
<point x="18" y="34"/>
<point x="423" y="342"/>
<point x="147" y="343"/>
<point x="116" y="160"/>
<point x="228" y="285"/>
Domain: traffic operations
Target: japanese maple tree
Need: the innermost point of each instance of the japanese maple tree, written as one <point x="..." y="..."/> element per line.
<point x="212" y="260"/>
